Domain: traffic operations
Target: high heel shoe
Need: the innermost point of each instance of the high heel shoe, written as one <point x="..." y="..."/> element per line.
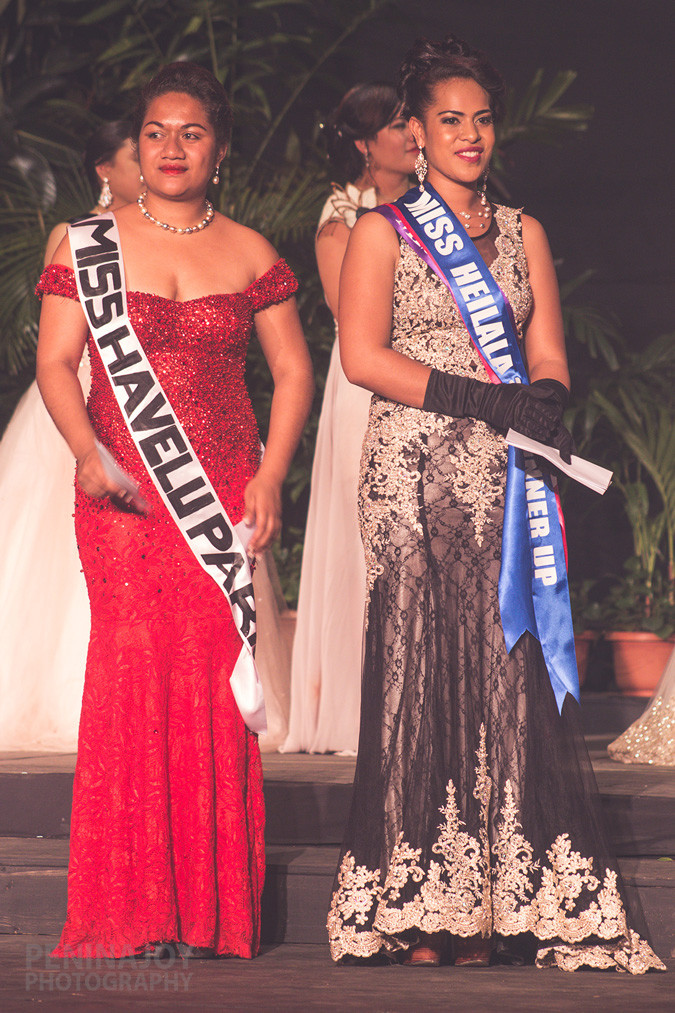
<point x="161" y="953"/>
<point x="427" y="953"/>
<point x="188" y="952"/>
<point x="475" y="951"/>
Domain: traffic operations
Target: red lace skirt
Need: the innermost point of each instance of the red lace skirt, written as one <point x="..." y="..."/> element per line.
<point x="168" y="814"/>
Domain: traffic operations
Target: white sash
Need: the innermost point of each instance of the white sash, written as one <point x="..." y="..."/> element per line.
<point x="163" y="446"/>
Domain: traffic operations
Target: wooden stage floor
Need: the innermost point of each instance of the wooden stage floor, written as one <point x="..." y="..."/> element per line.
<point x="302" y="978"/>
<point x="307" y="800"/>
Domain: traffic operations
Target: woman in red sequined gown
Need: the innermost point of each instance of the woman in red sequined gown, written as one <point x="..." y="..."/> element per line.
<point x="167" y="825"/>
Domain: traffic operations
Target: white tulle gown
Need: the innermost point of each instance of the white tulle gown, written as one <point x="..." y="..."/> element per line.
<point x="44" y="608"/>
<point x="326" y="666"/>
<point x="651" y="739"/>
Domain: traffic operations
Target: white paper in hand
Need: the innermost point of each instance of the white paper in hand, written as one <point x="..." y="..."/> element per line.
<point x="589" y="474"/>
<point x="245" y="532"/>
<point x="115" y="474"/>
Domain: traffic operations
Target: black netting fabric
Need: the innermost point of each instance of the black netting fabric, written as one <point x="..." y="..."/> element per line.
<point x="475" y="808"/>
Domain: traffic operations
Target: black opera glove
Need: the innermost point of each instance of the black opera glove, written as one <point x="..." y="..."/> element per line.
<point x="534" y="410"/>
<point x="554" y="390"/>
<point x="563" y="441"/>
<point x="561" y="438"/>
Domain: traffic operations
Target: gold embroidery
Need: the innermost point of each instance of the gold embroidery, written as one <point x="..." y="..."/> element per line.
<point x="450" y="895"/>
<point x="354" y="897"/>
<point x="562" y="884"/>
<point x="427" y="327"/>
<point x="631" y="954"/>
<point x="467" y="893"/>
<point x="513" y="869"/>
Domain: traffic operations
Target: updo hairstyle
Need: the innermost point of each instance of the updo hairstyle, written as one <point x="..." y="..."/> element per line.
<point x="429" y="63"/>
<point x="188" y="79"/>
<point x="103" y="145"/>
<point x="364" y="110"/>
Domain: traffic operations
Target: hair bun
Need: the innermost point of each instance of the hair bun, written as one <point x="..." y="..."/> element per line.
<point x="454" y="46"/>
<point x="428" y="63"/>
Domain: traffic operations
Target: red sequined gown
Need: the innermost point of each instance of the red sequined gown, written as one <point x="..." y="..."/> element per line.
<point x="168" y="815"/>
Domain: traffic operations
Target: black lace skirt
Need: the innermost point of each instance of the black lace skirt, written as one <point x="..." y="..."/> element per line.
<point x="475" y="808"/>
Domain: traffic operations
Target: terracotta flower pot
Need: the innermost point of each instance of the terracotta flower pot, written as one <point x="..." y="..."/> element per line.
<point x="582" y="649"/>
<point x="639" y="660"/>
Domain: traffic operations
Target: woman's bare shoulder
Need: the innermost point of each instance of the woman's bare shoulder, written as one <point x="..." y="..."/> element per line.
<point x="533" y="230"/>
<point x="252" y="248"/>
<point x="55" y="237"/>
<point x="535" y="241"/>
<point x="333" y="230"/>
<point x="373" y="234"/>
<point x="61" y="254"/>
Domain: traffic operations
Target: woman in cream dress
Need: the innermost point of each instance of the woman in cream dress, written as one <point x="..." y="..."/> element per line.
<point x="651" y="739"/>
<point x="370" y="145"/>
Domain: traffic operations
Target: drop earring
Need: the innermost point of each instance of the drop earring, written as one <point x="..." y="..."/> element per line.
<point x="421" y="168"/>
<point x="105" y="198"/>
<point x="216" y="177"/>
<point x="141" y="178"/>
<point x="481" y="191"/>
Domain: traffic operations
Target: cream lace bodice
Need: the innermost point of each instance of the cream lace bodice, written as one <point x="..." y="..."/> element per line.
<point x="426" y="326"/>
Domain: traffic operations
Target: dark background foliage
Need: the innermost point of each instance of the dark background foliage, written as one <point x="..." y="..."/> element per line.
<point x="601" y="192"/>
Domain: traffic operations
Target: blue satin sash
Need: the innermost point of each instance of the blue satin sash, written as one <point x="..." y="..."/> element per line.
<point x="533" y="591"/>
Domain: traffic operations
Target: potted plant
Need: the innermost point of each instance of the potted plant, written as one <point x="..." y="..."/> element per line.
<point x="639" y="607"/>
<point x="639" y="624"/>
<point x="623" y="416"/>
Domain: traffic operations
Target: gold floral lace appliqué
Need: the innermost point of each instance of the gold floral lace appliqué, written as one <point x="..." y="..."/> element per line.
<point x="474" y="889"/>
<point x="427" y="327"/>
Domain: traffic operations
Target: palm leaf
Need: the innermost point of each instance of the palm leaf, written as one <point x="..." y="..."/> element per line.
<point x="537" y="116"/>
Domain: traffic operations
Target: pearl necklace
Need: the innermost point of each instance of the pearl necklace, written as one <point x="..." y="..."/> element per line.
<point x="485" y="212"/>
<point x="206" y="220"/>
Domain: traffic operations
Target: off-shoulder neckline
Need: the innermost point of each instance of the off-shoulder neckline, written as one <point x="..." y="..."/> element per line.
<point x="187" y="302"/>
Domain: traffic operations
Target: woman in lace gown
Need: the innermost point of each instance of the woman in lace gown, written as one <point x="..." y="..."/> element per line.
<point x="369" y="145"/>
<point x="167" y="822"/>
<point x="475" y="815"/>
<point x="42" y="670"/>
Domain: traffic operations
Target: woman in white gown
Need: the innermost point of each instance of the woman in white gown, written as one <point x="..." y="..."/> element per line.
<point x="651" y="739"/>
<point x="371" y="147"/>
<point x="44" y="609"/>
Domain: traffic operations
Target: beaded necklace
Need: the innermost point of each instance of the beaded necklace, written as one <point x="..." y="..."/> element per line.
<point x="206" y="220"/>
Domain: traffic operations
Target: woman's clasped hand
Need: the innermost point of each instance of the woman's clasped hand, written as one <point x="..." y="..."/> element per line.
<point x="535" y="410"/>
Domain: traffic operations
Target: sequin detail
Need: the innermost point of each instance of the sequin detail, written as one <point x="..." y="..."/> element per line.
<point x="167" y="832"/>
<point x="198" y="351"/>
<point x="427" y="327"/>
<point x="57" y="279"/>
<point x="650" y="739"/>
